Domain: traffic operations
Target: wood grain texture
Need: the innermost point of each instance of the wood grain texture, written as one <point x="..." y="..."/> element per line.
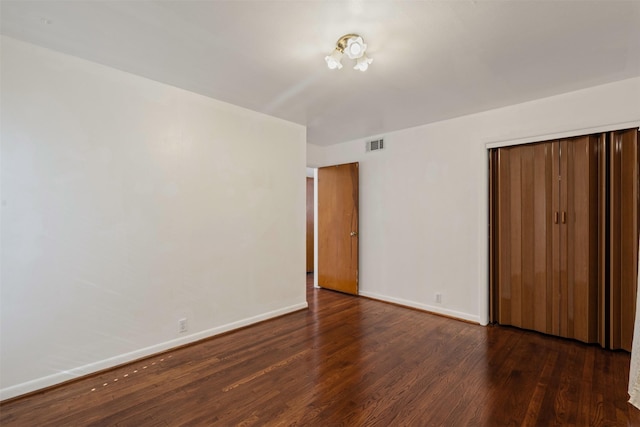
<point x="503" y="237"/>
<point x="515" y="234"/>
<point x="629" y="219"/>
<point x="528" y="232"/>
<point x="603" y="242"/>
<point x="546" y="242"/>
<point x="556" y="238"/>
<point x="543" y="255"/>
<point x="337" y="220"/>
<point x="522" y="237"/>
<point x="562" y="251"/>
<point x="624" y="218"/>
<point x="614" y="243"/>
<point x="351" y="361"/>
<point x="579" y="314"/>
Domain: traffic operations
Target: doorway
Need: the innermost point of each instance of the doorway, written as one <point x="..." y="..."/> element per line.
<point x="337" y="225"/>
<point x="310" y="185"/>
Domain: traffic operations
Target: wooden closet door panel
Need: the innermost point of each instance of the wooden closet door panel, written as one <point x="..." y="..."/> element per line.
<point x="522" y="269"/>
<point x="509" y="236"/>
<point x="536" y="221"/>
<point x="503" y="236"/>
<point x="556" y="240"/>
<point x="563" y="249"/>
<point x="594" y="299"/>
<point x="623" y="235"/>
<point x="603" y="233"/>
<point x="628" y="233"/>
<point x="542" y="244"/>
<point x="515" y="236"/>
<point x="614" y="244"/>
<point x="579" y="308"/>
<point x="527" y="235"/>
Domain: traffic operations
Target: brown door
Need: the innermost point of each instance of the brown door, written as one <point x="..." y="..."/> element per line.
<point x="624" y="215"/>
<point x="309" y="225"/>
<point x="564" y="235"/>
<point x="578" y="212"/>
<point x="522" y="246"/>
<point x="338" y="228"/>
<point x="545" y="237"/>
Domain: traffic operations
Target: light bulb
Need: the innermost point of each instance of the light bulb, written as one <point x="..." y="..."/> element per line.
<point x="355" y="47"/>
<point x="363" y="63"/>
<point x="333" y="60"/>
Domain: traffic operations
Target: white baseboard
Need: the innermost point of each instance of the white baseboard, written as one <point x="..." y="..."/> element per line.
<point x="50" y="380"/>
<point x="420" y="306"/>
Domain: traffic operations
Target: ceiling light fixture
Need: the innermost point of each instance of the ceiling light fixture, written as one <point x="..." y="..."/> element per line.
<point x="353" y="45"/>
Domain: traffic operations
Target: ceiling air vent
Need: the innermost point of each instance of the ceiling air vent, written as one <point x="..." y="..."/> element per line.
<point x="375" y="145"/>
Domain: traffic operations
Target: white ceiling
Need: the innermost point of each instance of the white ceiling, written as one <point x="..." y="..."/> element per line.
<point x="433" y="60"/>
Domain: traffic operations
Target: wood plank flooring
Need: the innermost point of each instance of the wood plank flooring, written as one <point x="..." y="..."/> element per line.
<point x="355" y="362"/>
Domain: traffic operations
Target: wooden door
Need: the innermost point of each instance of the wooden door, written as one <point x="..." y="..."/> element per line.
<point x="583" y="200"/>
<point x="623" y="238"/>
<point x="338" y="228"/>
<point x="558" y="237"/>
<point x="578" y="230"/>
<point x="522" y="237"/>
<point x="546" y="237"/>
<point x="310" y="213"/>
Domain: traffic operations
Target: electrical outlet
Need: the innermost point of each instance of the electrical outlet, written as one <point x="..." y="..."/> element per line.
<point x="182" y="325"/>
<point x="439" y="298"/>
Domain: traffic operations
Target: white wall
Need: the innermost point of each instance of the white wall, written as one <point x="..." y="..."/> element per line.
<point x="128" y="204"/>
<point x="423" y="200"/>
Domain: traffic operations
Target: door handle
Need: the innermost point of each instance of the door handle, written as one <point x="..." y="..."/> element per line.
<point x="564" y="217"/>
<point x="555" y="217"/>
<point x="354" y="233"/>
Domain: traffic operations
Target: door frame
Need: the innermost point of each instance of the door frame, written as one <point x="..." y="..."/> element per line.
<point x="349" y="283"/>
<point x="315" y="228"/>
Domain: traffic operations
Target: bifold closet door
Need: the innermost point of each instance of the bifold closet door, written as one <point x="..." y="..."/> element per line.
<point x="564" y="236"/>
<point x="521" y="237"/>
<point x="578" y="239"/>
<point x="623" y="235"/>
<point x="544" y="237"/>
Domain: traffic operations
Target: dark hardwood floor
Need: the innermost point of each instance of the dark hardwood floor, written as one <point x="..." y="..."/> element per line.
<point x="351" y="361"/>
